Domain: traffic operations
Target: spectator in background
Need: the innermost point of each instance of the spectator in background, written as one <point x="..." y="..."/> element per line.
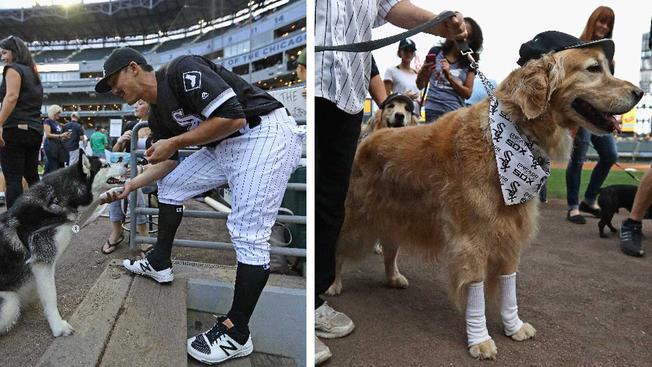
<point x="402" y="78"/>
<point x="55" y="152"/>
<point x="631" y="229"/>
<point x="77" y="134"/>
<point x="301" y="69"/>
<point x="116" y="214"/>
<point x="99" y="142"/>
<point x="448" y="74"/>
<point x="600" y="25"/>
<point x="21" y="129"/>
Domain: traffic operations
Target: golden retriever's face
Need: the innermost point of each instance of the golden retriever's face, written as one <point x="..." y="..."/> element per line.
<point x="574" y="88"/>
<point x="395" y="114"/>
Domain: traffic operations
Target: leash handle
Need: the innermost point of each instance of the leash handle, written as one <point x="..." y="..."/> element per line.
<point x="376" y="44"/>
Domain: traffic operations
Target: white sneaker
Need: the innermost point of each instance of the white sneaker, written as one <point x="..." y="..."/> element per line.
<point x="322" y="352"/>
<point x="142" y="267"/>
<point x="331" y="324"/>
<point x="216" y="345"/>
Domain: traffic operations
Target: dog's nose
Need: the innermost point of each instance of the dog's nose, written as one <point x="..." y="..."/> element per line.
<point x="637" y="93"/>
<point x="399" y="117"/>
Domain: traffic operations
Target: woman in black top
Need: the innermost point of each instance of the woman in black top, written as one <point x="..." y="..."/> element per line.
<point x="21" y="129"/>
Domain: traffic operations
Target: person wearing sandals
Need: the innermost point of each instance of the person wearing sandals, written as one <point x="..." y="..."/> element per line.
<point x="116" y="212"/>
<point x="600" y="25"/>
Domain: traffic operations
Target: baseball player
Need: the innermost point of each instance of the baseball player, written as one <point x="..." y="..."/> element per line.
<point x="247" y="140"/>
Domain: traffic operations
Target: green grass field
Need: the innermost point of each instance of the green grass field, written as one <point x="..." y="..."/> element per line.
<point x="557" y="181"/>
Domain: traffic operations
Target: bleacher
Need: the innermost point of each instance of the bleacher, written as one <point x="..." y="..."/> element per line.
<point x="51" y="56"/>
<point x="211" y="34"/>
<point x="628" y="149"/>
<point x="172" y="44"/>
<point x="91" y="54"/>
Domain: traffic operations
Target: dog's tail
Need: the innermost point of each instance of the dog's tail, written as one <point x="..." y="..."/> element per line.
<point x="9" y="310"/>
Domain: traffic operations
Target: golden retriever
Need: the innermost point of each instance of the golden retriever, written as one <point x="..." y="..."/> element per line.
<point x="442" y="180"/>
<point x="396" y="111"/>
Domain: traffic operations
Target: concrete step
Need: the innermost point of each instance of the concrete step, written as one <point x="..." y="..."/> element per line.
<point x="125" y="321"/>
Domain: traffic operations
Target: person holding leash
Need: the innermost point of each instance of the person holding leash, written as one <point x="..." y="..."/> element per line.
<point x="341" y="84"/>
<point x="247" y="140"/>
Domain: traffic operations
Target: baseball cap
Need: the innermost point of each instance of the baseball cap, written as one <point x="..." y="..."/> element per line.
<point x="553" y="41"/>
<point x="398" y="96"/>
<point x="117" y="60"/>
<point x="302" y="58"/>
<point x="407" y="44"/>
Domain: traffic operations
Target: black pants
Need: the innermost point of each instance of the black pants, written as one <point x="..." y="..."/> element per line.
<point x="336" y="138"/>
<point x="19" y="158"/>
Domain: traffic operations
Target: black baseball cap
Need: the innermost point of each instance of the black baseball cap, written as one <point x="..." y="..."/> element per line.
<point x="553" y="41"/>
<point x="398" y="96"/>
<point x="117" y="60"/>
<point x="407" y="44"/>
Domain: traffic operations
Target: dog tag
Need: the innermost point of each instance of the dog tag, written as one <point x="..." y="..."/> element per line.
<point x="75" y="229"/>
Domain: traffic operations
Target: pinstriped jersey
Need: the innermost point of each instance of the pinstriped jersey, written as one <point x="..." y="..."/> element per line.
<point x="191" y="89"/>
<point x="343" y="77"/>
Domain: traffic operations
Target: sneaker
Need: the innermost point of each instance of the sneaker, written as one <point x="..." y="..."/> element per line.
<point x="630" y="238"/>
<point x="142" y="267"/>
<point x="331" y="324"/>
<point x="322" y="352"/>
<point x="219" y="344"/>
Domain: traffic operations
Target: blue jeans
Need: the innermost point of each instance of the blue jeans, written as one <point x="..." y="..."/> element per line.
<point x="605" y="145"/>
<point x="433" y="115"/>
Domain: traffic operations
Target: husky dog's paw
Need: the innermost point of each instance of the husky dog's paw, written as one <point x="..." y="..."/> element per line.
<point x="525" y="332"/>
<point x="398" y="281"/>
<point x="335" y="289"/>
<point x="484" y="350"/>
<point x="62" y="328"/>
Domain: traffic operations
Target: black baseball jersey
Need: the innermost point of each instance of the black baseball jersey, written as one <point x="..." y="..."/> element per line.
<point x="191" y="89"/>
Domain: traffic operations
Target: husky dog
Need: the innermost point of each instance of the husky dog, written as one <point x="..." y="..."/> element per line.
<point x="36" y="230"/>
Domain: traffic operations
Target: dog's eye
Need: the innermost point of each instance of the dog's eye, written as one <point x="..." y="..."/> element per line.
<point x="391" y="105"/>
<point x="594" y="69"/>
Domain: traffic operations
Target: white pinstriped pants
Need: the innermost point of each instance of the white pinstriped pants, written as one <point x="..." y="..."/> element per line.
<point x="257" y="166"/>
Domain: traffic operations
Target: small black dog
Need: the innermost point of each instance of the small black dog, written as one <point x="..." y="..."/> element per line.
<point x="613" y="198"/>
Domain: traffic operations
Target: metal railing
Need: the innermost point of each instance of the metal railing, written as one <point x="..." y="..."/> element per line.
<point x="134" y="211"/>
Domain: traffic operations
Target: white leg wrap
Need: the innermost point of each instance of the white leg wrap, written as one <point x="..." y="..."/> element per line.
<point x="508" y="305"/>
<point x="476" y="322"/>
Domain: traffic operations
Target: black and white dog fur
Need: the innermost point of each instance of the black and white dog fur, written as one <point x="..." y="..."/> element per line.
<point x="36" y="230"/>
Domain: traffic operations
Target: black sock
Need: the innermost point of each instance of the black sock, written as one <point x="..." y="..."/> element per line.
<point x="169" y="218"/>
<point x="632" y="223"/>
<point x="249" y="283"/>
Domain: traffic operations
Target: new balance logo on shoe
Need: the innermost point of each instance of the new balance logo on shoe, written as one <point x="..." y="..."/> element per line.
<point x="226" y="348"/>
<point x="144" y="266"/>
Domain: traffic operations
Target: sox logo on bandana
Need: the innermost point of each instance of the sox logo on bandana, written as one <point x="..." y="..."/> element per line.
<point x="522" y="166"/>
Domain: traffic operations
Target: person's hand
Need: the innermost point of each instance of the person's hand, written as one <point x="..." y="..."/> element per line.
<point x="2" y="140"/>
<point x="160" y="151"/>
<point x="115" y="195"/>
<point x="445" y="66"/>
<point x="453" y="28"/>
<point x="411" y="94"/>
<point x="66" y="135"/>
<point x="125" y="137"/>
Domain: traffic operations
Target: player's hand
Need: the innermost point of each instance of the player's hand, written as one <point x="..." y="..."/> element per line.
<point x="115" y="194"/>
<point x="453" y="28"/>
<point x="160" y="151"/>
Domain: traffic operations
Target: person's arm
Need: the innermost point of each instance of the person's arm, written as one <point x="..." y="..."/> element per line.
<point x="13" y="81"/>
<point x="150" y="174"/>
<point x="465" y="89"/>
<point x="123" y="140"/>
<point x="423" y="76"/>
<point x="377" y="90"/>
<point x="210" y="130"/>
<point x="407" y="15"/>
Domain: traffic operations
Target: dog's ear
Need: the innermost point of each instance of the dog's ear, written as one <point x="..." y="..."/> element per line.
<point x="85" y="165"/>
<point x="378" y="120"/>
<point x="531" y="86"/>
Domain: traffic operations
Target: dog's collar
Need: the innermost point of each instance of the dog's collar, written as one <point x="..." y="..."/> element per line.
<point x="523" y="167"/>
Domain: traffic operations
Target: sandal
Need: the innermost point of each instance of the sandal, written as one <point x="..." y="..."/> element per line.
<point x="584" y="207"/>
<point x="111" y="246"/>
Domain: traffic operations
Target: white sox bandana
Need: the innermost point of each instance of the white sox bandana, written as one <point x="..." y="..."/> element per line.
<point x="522" y="166"/>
